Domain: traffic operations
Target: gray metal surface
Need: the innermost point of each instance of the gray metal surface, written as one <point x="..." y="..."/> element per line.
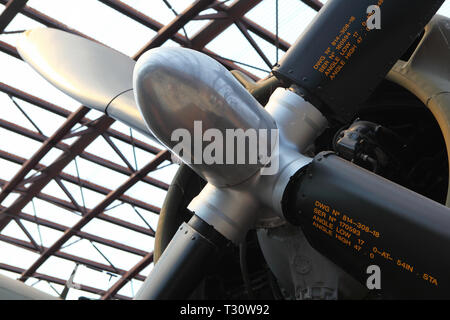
<point x="231" y="211"/>
<point x="299" y="121"/>
<point x="174" y="87"/>
<point x="301" y="271"/>
<point x="178" y="264"/>
<point x="256" y="202"/>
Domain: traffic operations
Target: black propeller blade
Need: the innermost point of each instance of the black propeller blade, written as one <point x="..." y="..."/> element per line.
<point x="354" y="217"/>
<point x="342" y="56"/>
<point x="357" y="219"/>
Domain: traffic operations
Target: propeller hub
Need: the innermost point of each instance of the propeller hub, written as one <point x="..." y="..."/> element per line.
<point x="199" y="111"/>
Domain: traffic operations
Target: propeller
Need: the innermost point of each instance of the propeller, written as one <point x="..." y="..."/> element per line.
<point x="91" y="73"/>
<point x="353" y="217"/>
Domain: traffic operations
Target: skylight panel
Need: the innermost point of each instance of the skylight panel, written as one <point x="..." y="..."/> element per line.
<point x="17" y="144"/>
<point x="147" y="193"/>
<point x="165" y="172"/>
<point x="51" y="212"/>
<point x="241" y="51"/>
<point x="122" y="235"/>
<point x="9" y="254"/>
<point x="95" y="173"/>
<point x="18" y="74"/>
<point x="57" y="267"/>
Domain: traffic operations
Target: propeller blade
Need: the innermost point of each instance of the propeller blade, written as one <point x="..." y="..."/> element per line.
<point x="358" y="219"/>
<point x="98" y="76"/>
<point x="349" y="48"/>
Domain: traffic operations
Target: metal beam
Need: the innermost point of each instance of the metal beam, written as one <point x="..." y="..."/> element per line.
<point x="57" y="166"/>
<point x="163" y="155"/>
<point x="53" y="170"/>
<point x="315" y="4"/>
<point x="43" y="150"/>
<point x="127" y="276"/>
<point x="178" y="38"/>
<point x="134" y="14"/>
<point x="236" y="10"/>
<point x="11" y="9"/>
<point x="253" y="43"/>
<point x="81" y="182"/>
<point x="44" y="277"/>
<point x="22" y="173"/>
<point x="69" y="206"/>
<point x="81" y="234"/>
<point x="14" y="92"/>
<point x="85" y="155"/>
<point x="253" y="27"/>
<point x="66" y="256"/>
<point x="9" y="49"/>
<point x="48" y="21"/>
<point x="169" y="30"/>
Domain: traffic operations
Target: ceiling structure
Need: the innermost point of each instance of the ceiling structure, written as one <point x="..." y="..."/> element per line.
<point x="77" y="130"/>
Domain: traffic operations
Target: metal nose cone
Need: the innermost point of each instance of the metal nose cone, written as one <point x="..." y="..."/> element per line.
<point x="185" y="95"/>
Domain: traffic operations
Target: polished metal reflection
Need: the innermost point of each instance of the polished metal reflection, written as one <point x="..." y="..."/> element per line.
<point x="124" y="109"/>
<point x="175" y="87"/>
<point x="83" y="69"/>
<point x="95" y="75"/>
